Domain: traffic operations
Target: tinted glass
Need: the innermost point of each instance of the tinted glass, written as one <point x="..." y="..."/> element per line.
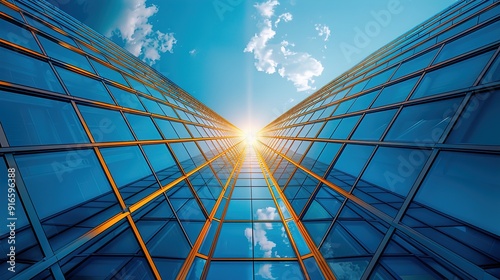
<point x="105" y="125"/>
<point x="44" y="121"/>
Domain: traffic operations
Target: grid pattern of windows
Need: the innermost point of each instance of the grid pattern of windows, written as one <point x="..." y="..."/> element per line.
<point x="393" y="166"/>
<point x="388" y="172"/>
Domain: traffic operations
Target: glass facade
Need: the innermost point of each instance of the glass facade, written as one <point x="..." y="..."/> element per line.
<point x="111" y="171"/>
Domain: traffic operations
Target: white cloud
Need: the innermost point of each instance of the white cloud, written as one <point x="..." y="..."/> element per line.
<point x="323" y="30"/>
<point x="266" y="9"/>
<point x="286" y="17"/>
<point x="193" y="52"/>
<point x="133" y="26"/>
<point x="265" y="271"/>
<point x="298" y="67"/>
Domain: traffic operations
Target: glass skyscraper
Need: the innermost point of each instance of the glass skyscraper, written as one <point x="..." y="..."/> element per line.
<point x="111" y="171"/>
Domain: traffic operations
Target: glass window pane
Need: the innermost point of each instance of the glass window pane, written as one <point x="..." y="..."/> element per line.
<point x="180" y="129"/>
<point x="126" y="99"/>
<point x="395" y="169"/>
<point x="452" y="77"/>
<point x="471" y="41"/>
<point x="159" y="157"/>
<point x="345" y="127"/>
<point x="239" y="210"/>
<point x="353" y="158"/>
<point x="109" y="73"/>
<point x="226" y="270"/>
<point x="42" y="121"/>
<point x="126" y="164"/>
<point x="465" y="186"/>
<point x="373" y="125"/>
<point x="64" y="55"/>
<point x="84" y="87"/>
<point x="70" y="177"/>
<point x="362" y="102"/>
<point x="380" y="78"/>
<point x="278" y="270"/>
<point x="105" y="125"/>
<point x="143" y="127"/>
<point x="478" y="122"/>
<point x="271" y="241"/>
<point x="24" y="70"/>
<point x="423" y="122"/>
<point x="17" y="35"/>
<point x="493" y="74"/>
<point x="151" y="106"/>
<point x="395" y="93"/>
<point x="235" y="241"/>
<point x="415" y="64"/>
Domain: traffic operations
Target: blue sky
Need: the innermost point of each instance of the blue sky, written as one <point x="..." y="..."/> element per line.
<point x="250" y="61"/>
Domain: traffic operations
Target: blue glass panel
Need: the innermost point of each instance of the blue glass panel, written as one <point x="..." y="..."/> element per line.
<point x="298" y="238"/>
<point x="440" y="81"/>
<point x="317" y="230"/>
<point x="345" y="127"/>
<point x="363" y="102"/>
<point x="196" y="269"/>
<point x="126" y="164"/>
<point x="493" y="74"/>
<point x="239" y="210"/>
<point x="235" y="241"/>
<point x="227" y="270"/>
<point x="44" y="121"/>
<point x="395" y="169"/>
<point x="109" y="73"/>
<point x="192" y="229"/>
<point x="166" y="128"/>
<point x="423" y="122"/>
<point x="415" y="64"/>
<point x="159" y="157"/>
<point x="24" y="70"/>
<point x="65" y="55"/>
<point x="373" y="125"/>
<point x="264" y="210"/>
<point x="209" y="238"/>
<point x="171" y="237"/>
<point x="348" y="268"/>
<point x="471" y="41"/>
<point x="126" y="99"/>
<point x="261" y="193"/>
<point x="70" y="177"/>
<point x="455" y="178"/>
<point x="17" y="35"/>
<point x="329" y="128"/>
<point x="353" y="158"/>
<point x="84" y="87"/>
<point x="477" y="124"/>
<point x="143" y="127"/>
<point x="380" y="78"/>
<point x="271" y="241"/>
<point x="180" y="129"/>
<point x="105" y="125"/>
<point x="395" y="93"/>
<point x="312" y="269"/>
<point x="278" y="270"/>
<point x="343" y="107"/>
<point x="242" y="193"/>
<point x="151" y="105"/>
<point x="169" y="268"/>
